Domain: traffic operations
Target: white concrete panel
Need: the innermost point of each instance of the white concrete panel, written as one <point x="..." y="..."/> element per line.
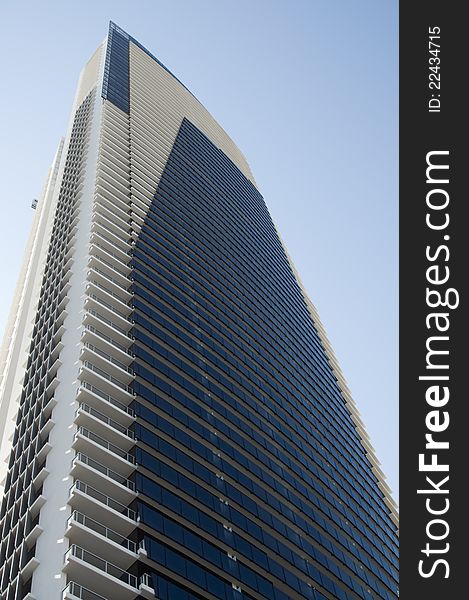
<point x="17" y="338"/>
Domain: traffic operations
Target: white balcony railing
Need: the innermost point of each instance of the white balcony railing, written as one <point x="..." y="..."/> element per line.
<point x="93" y="437"/>
<point x="102" y="498"/>
<point x="86" y="388"/>
<point x="101" y="564"/>
<point x="101" y="530"/>
<point x="74" y="590"/>
<point x="107" y="338"/>
<point x="97" y="466"/>
<point x="85" y="408"/>
<point x="108" y="357"/>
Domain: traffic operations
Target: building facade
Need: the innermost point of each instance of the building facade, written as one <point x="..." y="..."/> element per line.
<point x="174" y="423"/>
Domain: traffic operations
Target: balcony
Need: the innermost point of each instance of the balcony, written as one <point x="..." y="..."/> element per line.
<point x="113" y="160"/>
<point x="108" y="255"/>
<point x="110" y="327"/>
<point x="104" y="451"/>
<point x="39" y="477"/>
<point x="98" y="301"/>
<point x="36" y="506"/>
<point x="117" y="202"/>
<point x="146" y="587"/>
<point x="119" y="242"/>
<point x="96" y="336"/>
<point x="57" y="337"/>
<point x="137" y="217"/>
<point x="46" y="429"/>
<point x="105" y="382"/>
<point x="98" y="261"/>
<point x="105" y="241"/>
<point x="55" y="366"/>
<point x="103" y="402"/>
<point x="97" y="475"/>
<point x="95" y="288"/>
<point x="52" y="386"/>
<point x="107" y="376"/>
<point x="74" y="591"/>
<point x="33" y="536"/>
<point x="105" y="279"/>
<point x="107" y="361"/>
<point x="111" y="219"/>
<point x="112" y="184"/>
<point x="113" y="267"/>
<point x="102" y="508"/>
<point x="49" y="406"/>
<point x="43" y="452"/>
<point x="105" y="189"/>
<point x="137" y="209"/>
<point x="64" y="289"/>
<point x="101" y="540"/>
<point x="106" y="427"/>
<point x="105" y="578"/>
<point x="29" y="568"/>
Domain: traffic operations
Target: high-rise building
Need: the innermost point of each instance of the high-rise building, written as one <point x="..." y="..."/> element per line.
<point x="174" y="422"/>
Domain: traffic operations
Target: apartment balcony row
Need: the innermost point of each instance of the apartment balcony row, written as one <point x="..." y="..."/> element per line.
<point x="107" y="230"/>
<point x="91" y="534"/>
<point x="109" y="291"/>
<point x="104" y="426"/>
<point x="107" y="254"/>
<point x="98" y="337"/>
<point x="103" y="577"/>
<point x="114" y="151"/>
<point x="102" y="375"/>
<point x="31" y="495"/>
<point x="137" y="224"/>
<point x="98" y="448"/>
<point x="115" y="144"/>
<point x="106" y="403"/>
<point x="99" y="476"/>
<point x="100" y="237"/>
<point x="110" y="266"/>
<point x="107" y="382"/>
<point x="107" y="307"/>
<point x="116" y="285"/>
<point x="32" y="460"/>
<point x="103" y="508"/>
<point x="107" y="360"/>
<point x="107" y="365"/>
<point x="138" y="209"/>
<point x="118" y="205"/>
<point x="104" y="270"/>
<point x="112" y="327"/>
<point x="119" y="209"/>
<point x="112" y="200"/>
<point x="115" y="124"/>
<point x="75" y="591"/>
<point x="120" y="302"/>
<point x="60" y="272"/>
<point x="118" y="187"/>
<point x="117" y="170"/>
<point x="113" y="162"/>
<point x="112" y="195"/>
<point x="111" y="217"/>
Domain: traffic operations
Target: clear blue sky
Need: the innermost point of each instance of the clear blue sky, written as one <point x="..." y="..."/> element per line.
<point x="307" y="89"/>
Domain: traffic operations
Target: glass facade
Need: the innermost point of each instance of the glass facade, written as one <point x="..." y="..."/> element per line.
<point x="251" y="476"/>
